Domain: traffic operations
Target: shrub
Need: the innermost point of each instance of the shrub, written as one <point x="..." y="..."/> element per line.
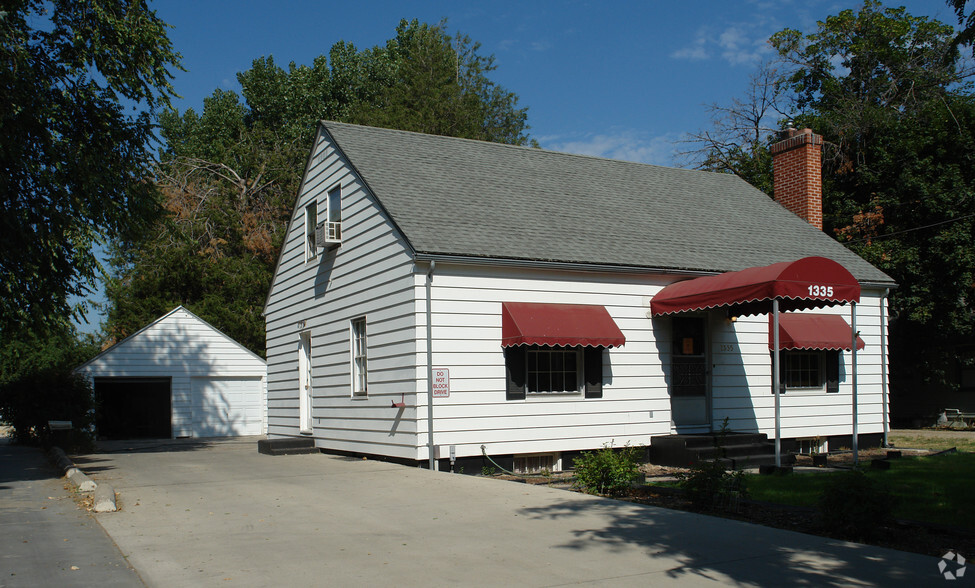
<point x="36" y="385"/>
<point x="709" y="486"/>
<point x="855" y="507"/>
<point x="607" y="471"/>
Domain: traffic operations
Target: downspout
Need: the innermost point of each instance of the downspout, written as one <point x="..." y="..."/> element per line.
<point x="883" y="366"/>
<point x="775" y="379"/>
<point x="433" y="461"/>
<point x="853" y="329"/>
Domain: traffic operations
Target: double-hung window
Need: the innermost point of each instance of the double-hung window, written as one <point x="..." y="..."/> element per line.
<point x="311" y="222"/>
<point x="537" y="371"/>
<point x="360" y="369"/>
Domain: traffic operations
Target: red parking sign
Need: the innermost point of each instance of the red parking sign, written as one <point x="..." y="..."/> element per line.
<point x="441" y="383"/>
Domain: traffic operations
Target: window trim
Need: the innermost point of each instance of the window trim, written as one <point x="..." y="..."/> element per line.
<point x="358" y="358"/>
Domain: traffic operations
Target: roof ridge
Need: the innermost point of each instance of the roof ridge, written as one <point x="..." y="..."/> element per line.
<point x="539" y="150"/>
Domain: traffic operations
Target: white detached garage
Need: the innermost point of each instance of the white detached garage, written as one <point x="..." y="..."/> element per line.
<point x="178" y="377"/>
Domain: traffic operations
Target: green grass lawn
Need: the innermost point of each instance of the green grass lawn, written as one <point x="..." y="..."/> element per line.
<point x="934" y="440"/>
<point x="934" y="489"/>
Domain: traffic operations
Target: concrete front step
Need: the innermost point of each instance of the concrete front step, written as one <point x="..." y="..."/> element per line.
<point x="736" y="450"/>
<point x="287" y="446"/>
<point x="695" y="441"/>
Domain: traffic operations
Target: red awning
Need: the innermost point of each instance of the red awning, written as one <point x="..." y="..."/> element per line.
<point x="810" y="282"/>
<point x="813" y="331"/>
<point x="525" y="323"/>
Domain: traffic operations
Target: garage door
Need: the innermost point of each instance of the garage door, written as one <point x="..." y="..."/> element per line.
<point x="224" y="407"/>
<point x="133" y="408"/>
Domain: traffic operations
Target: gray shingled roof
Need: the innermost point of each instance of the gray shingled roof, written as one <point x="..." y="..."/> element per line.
<point x="471" y="198"/>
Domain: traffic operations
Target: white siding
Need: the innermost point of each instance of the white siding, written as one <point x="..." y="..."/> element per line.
<point x="467" y="340"/>
<point x="742" y="379"/>
<point x="636" y="400"/>
<point x="179" y="346"/>
<point x="370" y="275"/>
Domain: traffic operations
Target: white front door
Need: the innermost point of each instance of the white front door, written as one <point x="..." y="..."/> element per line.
<point x="304" y="383"/>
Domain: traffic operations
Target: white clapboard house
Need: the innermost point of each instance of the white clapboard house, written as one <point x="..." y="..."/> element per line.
<point x="177" y="377"/>
<point x="439" y="297"/>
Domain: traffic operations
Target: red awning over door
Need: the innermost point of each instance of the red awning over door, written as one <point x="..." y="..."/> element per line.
<point x="525" y="323"/>
<point x="810" y="282"/>
<point x="813" y="331"/>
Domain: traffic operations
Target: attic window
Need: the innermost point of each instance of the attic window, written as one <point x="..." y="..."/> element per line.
<point x="334" y="231"/>
<point x="311" y="220"/>
<point x="329" y="231"/>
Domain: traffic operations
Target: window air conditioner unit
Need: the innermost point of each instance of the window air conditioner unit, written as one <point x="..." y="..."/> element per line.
<point x="328" y="234"/>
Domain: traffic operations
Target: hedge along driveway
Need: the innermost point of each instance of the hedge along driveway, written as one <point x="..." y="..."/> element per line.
<point x="219" y="513"/>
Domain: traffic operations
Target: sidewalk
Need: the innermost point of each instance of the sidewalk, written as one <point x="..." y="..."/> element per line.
<point x="45" y="538"/>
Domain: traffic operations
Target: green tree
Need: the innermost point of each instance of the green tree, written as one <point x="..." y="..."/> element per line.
<point x="36" y="383"/>
<point x="890" y="94"/>
<point x="438" y="84"/>
<point x="78" y="82"/>
<point x="967" y="34"/>
<point x="230" y="174"/>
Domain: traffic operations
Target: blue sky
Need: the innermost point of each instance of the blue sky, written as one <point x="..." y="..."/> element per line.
<point x="624" y="80"/>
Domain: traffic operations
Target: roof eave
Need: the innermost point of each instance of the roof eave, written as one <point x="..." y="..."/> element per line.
<point x="426" y="257"/>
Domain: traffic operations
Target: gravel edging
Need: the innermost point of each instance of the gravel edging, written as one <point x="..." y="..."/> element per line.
<point x="103" y="494"/>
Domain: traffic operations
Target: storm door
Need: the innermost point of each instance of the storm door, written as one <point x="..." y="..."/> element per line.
<point x="689" y="375"/>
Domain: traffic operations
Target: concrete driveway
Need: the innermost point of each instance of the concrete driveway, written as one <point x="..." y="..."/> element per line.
<point x="45" y="538"/>
<point x="219" y="513"/>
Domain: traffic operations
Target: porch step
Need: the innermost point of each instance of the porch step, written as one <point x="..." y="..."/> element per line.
<point x="710" y="439"/>
<point x="736" y="450"/>
<point x="287" y="446"/>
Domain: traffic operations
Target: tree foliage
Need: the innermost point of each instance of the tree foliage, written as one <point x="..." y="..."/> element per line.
<point x="36" y="383"/>
<point x="438" y="84"/>
<point x="891" y="95"/>
<point x="79" y="81"/>
<point x="966" y="36"/>
<point x="230" y="174"/>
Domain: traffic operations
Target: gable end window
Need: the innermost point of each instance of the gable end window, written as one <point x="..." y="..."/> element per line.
<point x="813" y="371"/>
<point x="311" y="221"/>
<point x="333" y="228"/>
<point x="535" y="370"/>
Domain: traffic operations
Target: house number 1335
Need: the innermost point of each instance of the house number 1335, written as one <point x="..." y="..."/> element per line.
<point x="820" y="290"/>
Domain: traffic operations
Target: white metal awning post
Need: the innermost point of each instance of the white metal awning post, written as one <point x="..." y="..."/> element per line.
<point x="853" y="329"/>
<point x="775" y="379"/>
<point x="883" y="366"/>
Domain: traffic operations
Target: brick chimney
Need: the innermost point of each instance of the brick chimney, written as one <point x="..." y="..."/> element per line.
<point x="798" y="176"/>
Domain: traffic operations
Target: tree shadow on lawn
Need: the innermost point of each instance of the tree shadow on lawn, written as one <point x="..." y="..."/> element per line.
<point x="720" y="549"/>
